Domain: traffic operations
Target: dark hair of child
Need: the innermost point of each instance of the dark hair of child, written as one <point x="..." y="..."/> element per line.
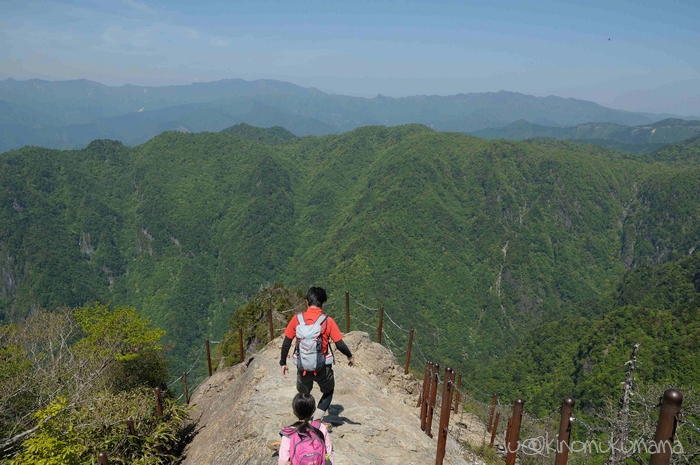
<point x="304" y="406"/>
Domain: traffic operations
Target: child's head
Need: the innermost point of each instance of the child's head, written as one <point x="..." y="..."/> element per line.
<point x="316" y="297"/>
<point x="304" y="406"/>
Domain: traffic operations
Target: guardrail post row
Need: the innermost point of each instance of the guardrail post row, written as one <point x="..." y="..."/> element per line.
<point x="567" y="409"/>
<point x="240" y="344"/>
<point x="206" y="345"/>
<point x="666" y="427"/>
<point x="130" y="426"/>
<point x="184" y="388"/>
<point x="431" y="402"/>
<point x="381" y="324"/>
<point x="494" y="401"/>
<point x="425" y="393"/>
<point x="347" y="311"/>
<point x="408" y="353"/>
<point x="159" y="403"/>
<point x="512" y="444"/>
<point x="269" y="322"/>
<point x="495" y="429"/>
<point x="102" y="457"/>
<point x="458" y="394"/>
<point x="447" y="390"/>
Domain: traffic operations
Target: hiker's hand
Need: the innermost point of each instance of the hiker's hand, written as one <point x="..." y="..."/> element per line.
<point x="285" y="370"/>
<point x="351" y="362"/>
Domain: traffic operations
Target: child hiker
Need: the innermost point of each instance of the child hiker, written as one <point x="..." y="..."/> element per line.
<point x="305" y="442"/>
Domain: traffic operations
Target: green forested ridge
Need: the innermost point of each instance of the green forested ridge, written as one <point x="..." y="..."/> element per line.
<point x="472" y="242"/>
<point x="636" y="139"/>
<point x="273" y="136"/>
<point x="687" y="151"/>
<point x="584" y="357"/>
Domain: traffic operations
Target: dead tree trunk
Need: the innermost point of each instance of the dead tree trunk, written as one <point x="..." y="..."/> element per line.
<point x="622" y="427"/>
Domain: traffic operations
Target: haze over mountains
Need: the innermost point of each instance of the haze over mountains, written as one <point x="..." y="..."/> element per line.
<point x="70" y="114"/>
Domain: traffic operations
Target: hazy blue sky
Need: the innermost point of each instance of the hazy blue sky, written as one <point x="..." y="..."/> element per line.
<point x="651" y="62"/>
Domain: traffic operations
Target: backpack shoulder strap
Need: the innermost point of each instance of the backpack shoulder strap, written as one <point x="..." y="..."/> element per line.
<point x="317" y="426"/>
<point x="321" y="319"/>
<point x="300" y="318"/>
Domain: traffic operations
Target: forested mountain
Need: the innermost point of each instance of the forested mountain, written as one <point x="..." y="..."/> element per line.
<point x="687" y="151"/>
<point x="273" y="136"/>
<point x="472" y="242"/>
<point x="637" y="139"/>
<point x="583" y="355"/>
<point x="70" y="114"/>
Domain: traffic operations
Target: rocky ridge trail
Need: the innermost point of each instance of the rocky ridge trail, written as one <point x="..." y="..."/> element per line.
<point x="240" y="410"/>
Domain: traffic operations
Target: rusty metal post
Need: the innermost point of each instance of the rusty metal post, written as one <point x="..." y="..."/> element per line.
<point x="130" y="426"/>
<point x="159" y="403"/>
<point x="408" y="354"/>
<point x="102" y="457"/>
<point x="495" y="429"/>
<point x="666" y="427"/>
<point x="507" y="437"/>
<point x="347" y="311"/>
<point x="494" y="401"/>
<point x="431" y="402"/>
<point x="444" y="427"/>
<point x="269" y="321"/>
<point x="458" y="394"/>
<point x="381" y="324"/>
<point x="206" y="344"/>
<point x="567" y="410"/>
<point x="184" y="388"/>
<point x="512" y="450"/>
<point x="240" y="344"/>
<point x="425" y="393"/>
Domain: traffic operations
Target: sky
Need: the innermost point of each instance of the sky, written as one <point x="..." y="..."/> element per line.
<point x="639" y="56"/>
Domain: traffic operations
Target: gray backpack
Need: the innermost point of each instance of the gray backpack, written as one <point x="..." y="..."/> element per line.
<point x="309" y="355"/>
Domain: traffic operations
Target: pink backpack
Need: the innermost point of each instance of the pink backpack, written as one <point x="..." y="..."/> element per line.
<point x="306" y="449"/>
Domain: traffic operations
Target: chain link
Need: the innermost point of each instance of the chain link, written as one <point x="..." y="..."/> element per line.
<point x="684" y="420"/>
<point x="544" y="419"/>
<point x="464" y="394"/>
<point x="590" y="428"/>
<point x="394" y="323"/>
<point x="363" y="305"/>
<point x="289" y="310"/>
<point x="425" y="359"/>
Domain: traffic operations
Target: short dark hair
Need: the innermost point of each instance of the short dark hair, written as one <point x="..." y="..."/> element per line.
<point x="316" y="297"/>
<point x="304" y="406"/>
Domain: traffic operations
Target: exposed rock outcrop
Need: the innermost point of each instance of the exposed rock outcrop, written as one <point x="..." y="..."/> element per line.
<point x="241" y="409"/>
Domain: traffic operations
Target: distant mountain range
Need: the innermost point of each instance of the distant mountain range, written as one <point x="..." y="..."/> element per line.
<point x="70" y="114"/>
<point x="636" y="139"/>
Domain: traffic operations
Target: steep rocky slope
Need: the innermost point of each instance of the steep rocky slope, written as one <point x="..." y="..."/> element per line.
<point x="241" y="409"/>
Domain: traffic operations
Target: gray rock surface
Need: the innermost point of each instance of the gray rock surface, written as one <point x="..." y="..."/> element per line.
<point x="241" y="409"/>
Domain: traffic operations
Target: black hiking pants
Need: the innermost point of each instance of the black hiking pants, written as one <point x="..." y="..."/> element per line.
<point x="325" y="380"/>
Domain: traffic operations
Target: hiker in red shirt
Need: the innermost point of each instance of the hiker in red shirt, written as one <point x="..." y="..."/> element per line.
<point x="313" y="357"/>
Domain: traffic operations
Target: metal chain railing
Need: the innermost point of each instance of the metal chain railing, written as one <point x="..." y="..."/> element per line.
<point x="394" y="323"/>
<point x="544" y="419"/>
<point x="363" y="305"/>
<point x="684" y="420"/>
<point x="591" y="429"/>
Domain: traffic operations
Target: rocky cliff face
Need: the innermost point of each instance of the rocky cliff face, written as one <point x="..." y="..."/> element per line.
<point x="240" y="411"/>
